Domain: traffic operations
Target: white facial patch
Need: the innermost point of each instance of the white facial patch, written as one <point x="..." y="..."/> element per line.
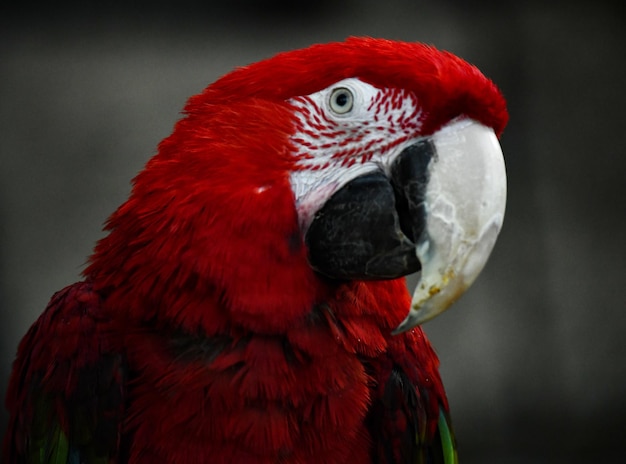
<point x="344" y="131"/>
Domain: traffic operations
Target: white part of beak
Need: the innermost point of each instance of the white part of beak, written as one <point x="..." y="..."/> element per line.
<point x="464" y="205"/>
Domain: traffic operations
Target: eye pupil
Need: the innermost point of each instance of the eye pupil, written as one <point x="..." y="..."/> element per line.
<point x="341" y="100"/>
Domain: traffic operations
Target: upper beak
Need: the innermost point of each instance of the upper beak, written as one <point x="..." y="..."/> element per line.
<point x="463" y="205"/>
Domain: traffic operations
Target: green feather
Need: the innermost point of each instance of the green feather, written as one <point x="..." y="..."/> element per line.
<point x="54" y="449"/>
<point x="447" y="440"/>
<point x="59" y="448"/>
<point x="48" y="444"/>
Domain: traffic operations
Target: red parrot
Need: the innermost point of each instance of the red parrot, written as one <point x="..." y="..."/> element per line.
<point x="248" y="303"/>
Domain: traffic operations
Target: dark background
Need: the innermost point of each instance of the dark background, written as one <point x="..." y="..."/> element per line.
<point x="533" y="356"/>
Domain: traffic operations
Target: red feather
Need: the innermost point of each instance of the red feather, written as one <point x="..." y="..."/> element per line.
<point x="236" y="351"/>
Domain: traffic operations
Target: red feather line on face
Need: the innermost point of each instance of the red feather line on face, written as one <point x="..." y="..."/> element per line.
<point x="392" y="117"/>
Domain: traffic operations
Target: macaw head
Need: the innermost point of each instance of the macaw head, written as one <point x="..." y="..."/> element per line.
<point x="361" y="160"/>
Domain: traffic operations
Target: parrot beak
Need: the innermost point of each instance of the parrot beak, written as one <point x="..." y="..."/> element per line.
<point x="463" y="201"/>
<point x="437" y="207"/>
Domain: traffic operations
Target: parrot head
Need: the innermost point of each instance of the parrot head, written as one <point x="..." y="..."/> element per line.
<point x="359" y="160"/>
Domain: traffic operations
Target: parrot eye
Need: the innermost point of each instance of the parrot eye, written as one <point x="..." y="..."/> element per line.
<point x="341" y="100"/>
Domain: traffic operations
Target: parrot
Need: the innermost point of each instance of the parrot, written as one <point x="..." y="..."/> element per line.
<point x="248" y="301"/>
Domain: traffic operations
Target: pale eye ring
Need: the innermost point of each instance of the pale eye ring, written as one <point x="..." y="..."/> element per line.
<point x="341" y="100"/>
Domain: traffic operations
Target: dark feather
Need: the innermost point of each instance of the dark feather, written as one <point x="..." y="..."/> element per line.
<point x="400" y="420"/>
<point x="66" y="395"/>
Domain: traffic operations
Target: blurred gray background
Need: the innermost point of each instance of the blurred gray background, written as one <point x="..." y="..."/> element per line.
<point x="533" y="356"/>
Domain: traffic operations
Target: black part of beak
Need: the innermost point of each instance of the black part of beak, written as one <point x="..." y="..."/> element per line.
<point x="357" y="233"/>
<point x="409" y="177"/>
<point x="368" y="229"/>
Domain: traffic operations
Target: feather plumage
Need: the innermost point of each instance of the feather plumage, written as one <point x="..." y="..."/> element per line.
<point x="66" y="397"/>
<point x="202" y="334"/>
